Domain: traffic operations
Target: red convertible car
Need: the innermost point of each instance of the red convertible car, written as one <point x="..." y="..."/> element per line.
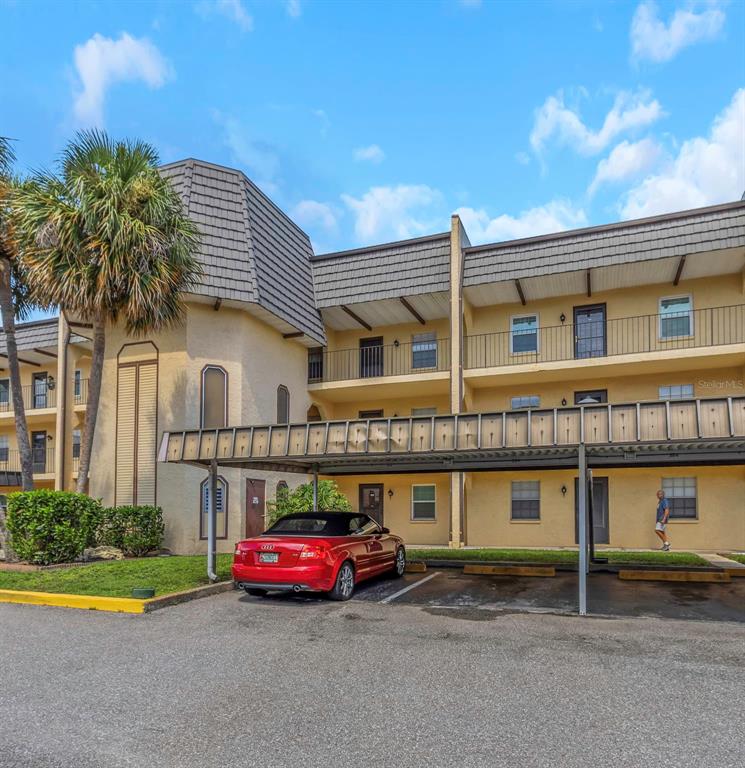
<point x="318" y="552"/>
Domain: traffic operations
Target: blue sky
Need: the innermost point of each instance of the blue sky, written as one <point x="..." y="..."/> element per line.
<point x="375" y="121"/>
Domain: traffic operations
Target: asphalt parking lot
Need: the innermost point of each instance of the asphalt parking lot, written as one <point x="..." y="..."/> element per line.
<point x="295" y="680"/>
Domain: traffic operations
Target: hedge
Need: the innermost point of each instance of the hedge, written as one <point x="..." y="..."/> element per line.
<point x="136" y="530"/>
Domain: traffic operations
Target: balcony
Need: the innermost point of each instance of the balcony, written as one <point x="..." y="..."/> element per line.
<point x="35" y="397"/>
<point x="380" y="367"/>
<point x="10" y="464"/>
<point x="596" y="341"/>
<point x="80" y="392"/>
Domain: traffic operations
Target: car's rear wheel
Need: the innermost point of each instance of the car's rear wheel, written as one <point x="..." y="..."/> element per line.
<point x="255" y="592"/>
<point x="399" y="567"/>
<point x="344" y="584"/>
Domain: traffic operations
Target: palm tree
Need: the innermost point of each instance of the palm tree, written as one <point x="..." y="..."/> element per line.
<point x="13" y="301"/>
<point x="108" y="241"/>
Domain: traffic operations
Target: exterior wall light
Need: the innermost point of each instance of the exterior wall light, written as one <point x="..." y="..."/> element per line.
<point x="51" y="383"/>
<point x="390" y="493"/>
<point x="562" y="317"/>
<point x="396" y="343"/>
<point x="563" y="490"/>
<point x="563" y="401"/>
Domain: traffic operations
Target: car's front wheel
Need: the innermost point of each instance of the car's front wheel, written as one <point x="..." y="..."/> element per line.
<point x="344" y="584"/>
<point x="399" y="567"/>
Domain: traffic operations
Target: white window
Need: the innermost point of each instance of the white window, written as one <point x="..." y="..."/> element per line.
<point x="424" y="411"/>
<point x="4" y="448"/>
<point x="681" y="493"/>
<point x="676" y="317"/>
<point x="423" y="502"/>
<point x="221" y="504"/>
<point x="676" y="392"/>
<point x="523" y="334"/>
<point x="526" y="500"/>
<point x="424" y="350"/>
<point x="525" y="401"/>
<point x="77" y="385"/>
<point x="76" y="443"/>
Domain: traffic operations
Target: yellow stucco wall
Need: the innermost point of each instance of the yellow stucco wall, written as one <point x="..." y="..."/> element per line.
<point x="631" y="509"/>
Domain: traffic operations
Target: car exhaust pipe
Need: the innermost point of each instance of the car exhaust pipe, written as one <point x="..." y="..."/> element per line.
<point x="296" y="588"/>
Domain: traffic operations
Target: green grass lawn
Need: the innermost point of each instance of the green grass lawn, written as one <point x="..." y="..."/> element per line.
<point x="738" y="558"/>
<point x="119" y="578"/>
<point x="555" y="556"/>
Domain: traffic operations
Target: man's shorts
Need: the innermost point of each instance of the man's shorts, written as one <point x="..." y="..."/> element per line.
<point x="660" y="527"/>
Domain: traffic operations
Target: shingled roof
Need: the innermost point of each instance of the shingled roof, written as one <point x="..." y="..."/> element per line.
<point x="251" y="251"/>
<point x="404" y="268"/>
<point x="37" y="334"/>
<point x="675" y="234"/>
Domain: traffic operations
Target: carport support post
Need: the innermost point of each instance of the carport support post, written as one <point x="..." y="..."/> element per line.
<point x="212" y="524"/>
<point x="582" y="527"/>
<point x="315" y="487"/>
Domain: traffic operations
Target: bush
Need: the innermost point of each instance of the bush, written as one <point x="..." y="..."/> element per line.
<point x="330" y="499"/>
<point x="134" y="530"/>
<point x="48" y="527"/>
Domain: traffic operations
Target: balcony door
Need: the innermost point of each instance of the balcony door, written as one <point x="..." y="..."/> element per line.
<point x="589" y="331"/>
<point x="39" y="451"/>
<point x="371" y="357"/>
<point x="40" y="388"/>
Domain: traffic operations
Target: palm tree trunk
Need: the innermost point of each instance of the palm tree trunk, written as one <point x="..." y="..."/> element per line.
<point x="19" y="410"/>
<point x="94" y="396"/>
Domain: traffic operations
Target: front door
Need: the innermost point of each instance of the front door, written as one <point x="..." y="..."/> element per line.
<point x="255" y="496"/>
<point x="371" y="501"/>
<point x="39" y="451"/>
<point x="600" y="527"/>
<point x="39" y="390"/>
<point x="371" y="357"/>
<point x="589" y="331"/>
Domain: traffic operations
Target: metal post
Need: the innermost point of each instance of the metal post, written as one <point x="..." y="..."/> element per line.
<point x="212" y="524"/>
<point x="582" y="526"/>
<point x="315" y="487"/>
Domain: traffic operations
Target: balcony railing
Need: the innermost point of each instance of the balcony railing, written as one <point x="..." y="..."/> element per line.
<point x="80" y="392"/>
<point x="379" y="360"/>
<point x="43" y="458"/>
<point x="607" y="338"/>
<point x="35" y="397"/>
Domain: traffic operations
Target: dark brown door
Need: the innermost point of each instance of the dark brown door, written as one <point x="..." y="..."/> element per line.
<point x="371" y="501"/>
<point x="371" y="357"/>
<point x="39" y="451"/>
<point x="589" y="331"/>
<point x="255" y="497"/>
<point x="39" y="390"/>
<point x="600" y="525"/>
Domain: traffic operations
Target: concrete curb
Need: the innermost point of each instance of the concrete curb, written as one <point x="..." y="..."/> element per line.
<point x="511" y="570"/>
<point x="111" y="604"/>
<point x="688" y="576"/>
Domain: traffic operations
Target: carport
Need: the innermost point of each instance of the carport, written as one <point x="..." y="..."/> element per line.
<point x="701" y="432"/>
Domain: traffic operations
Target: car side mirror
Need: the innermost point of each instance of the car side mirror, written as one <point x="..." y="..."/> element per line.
<point x="385" y="530"/>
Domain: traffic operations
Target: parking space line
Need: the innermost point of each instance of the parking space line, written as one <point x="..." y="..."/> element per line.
<point x="403" y="591"/>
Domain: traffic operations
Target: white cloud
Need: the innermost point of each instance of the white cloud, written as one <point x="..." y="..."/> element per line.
<point x="626" y="161"/>
<point x="258" y="158"/>
<point x="556" y="216"/>
<point x="705" y="171"/>
<point x="555" y="120"/>
<point x="101" y="61"/>
<point x="652" y="39"/>
<point x="311" y="213"/>
<point x="371" y="154"/>
<point x="523" y="158"/>
<point x="293" y="8"/>
<point x="230" y="9"/>
<point x="400" y="211"/>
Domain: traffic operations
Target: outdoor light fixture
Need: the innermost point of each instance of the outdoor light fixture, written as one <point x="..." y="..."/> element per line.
<point x="51" y="384"/>
<point x="390" y="493"/>
<point x="562" y="317"/>
<point x="563" y="490"/>
<point x="563" y="401"/>
<point x="396" y="343"/>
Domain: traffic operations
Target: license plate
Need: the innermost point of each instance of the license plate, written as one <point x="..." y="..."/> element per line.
<point x="269" y="557"/>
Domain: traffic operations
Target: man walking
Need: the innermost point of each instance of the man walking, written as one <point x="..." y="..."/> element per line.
<point x="663" y="513"/>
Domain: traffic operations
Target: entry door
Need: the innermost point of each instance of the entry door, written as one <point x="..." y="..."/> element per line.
<point x="589" y="331"/>
<point x="255" y="497"/>
<point x="600" y="527"/>
<point x="39" y="451"/>
<point x="371" y="501"/>
<point x="371" y="357"/>
<point x="40" y="390"/>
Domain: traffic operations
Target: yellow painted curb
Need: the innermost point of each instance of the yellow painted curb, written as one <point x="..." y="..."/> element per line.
<point x="690" y="576"/>
<point x="510" y="570"/>
<point x="416" y="567"/>
<point x="88" y="602"/>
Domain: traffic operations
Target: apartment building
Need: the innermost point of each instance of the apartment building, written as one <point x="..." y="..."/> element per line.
<point x="628" y="314"/>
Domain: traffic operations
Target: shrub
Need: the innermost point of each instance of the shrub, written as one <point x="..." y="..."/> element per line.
<point x="51" y="526"/>
<point x="330" y="499"/>
<point x="136" y="530"/>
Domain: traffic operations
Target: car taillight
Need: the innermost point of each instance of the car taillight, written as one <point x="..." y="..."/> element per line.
<point x="312" y="552"/>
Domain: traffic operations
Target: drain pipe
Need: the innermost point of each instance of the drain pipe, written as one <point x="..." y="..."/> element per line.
<point x="212" y="524"/>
